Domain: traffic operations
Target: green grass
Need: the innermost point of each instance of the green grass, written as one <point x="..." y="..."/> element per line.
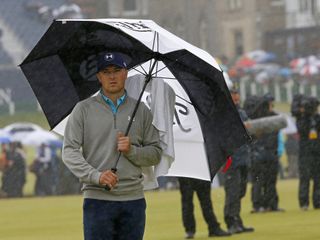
<point x="33" y="117"/>
<point x="282" y="107"/>
<point x="61" y="217"/>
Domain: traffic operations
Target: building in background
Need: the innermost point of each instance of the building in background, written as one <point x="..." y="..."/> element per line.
<point x="221" y="27"/>
<point x="242" y="24"/>
<point x="301" y="34"/>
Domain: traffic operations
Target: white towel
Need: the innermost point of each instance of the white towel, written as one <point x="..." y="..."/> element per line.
<point x="162" y="106"/>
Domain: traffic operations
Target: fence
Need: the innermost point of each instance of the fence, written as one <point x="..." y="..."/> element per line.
<point x="283" y="91"/>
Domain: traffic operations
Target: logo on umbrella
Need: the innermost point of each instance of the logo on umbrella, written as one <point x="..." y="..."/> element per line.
<point x="176" y="114"/>
<point x="139" y="27"/>
<point x="179" y="110"/>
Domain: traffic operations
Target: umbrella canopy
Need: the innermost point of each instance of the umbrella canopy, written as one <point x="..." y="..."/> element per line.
<point x="4" y="133"/>
<point x="19" y="130"/>
<point x="309" y="70"/>
<point x="4" y="139"/>
<point x="245" y="62"/>
<point x="261" y="56"/>
<point x="61" y="71"/>
<point x="36" y="138"/>
<point x="307" y="66"/>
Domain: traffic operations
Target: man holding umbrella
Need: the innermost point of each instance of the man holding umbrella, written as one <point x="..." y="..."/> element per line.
<point x="61" y="70"/>
<point x="114" y="204"/>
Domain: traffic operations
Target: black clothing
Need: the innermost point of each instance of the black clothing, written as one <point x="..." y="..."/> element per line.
<point x="14" y="176"/>
<point x="265" y="166"/>
<point x="264" y="175"/>
<point x="203" y="189"/>
<point x="67" y="183"/>
<point x="44" y="180"/>
<point x="292" y="150"/>
<point x="309" y="170"/>
<point x="309" y="159"/>
<point x="235" y="188"/>
<point x="235" y="184"/>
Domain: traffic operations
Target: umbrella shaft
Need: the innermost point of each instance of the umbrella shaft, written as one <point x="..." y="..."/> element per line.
<point x="114" y="168"/>
<point x="147" y="80"/>
<point x="132" y="117"/>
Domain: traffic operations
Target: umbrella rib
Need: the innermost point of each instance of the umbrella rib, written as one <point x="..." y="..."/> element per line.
<point x="171" y="78"/>
<point x="158" y="41"/>
<point x="141" y="72"/>
<point x="158" y="44"/>
<point x="153" y="46"/>
<point x="166" y="66"/>
<point x="157" y="65"/>
<point x="158" y="70"/>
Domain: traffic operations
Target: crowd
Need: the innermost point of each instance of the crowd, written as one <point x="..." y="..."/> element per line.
<point x="52" y="177"/>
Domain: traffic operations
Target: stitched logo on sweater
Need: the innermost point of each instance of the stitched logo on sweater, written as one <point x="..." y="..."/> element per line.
<point x="129" y="118"/>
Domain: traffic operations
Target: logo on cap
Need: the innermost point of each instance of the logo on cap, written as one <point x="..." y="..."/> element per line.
<point x="108" y="57"/>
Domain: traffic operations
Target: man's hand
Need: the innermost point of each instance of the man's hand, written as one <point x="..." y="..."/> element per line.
<point x="123" y="143"/>
<point x="108" y="178"/>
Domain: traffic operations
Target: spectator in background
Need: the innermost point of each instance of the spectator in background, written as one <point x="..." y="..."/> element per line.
<point x="236" y="178"/>
<point x="67" y="183"/>
<point x="305" y="109"/>
<point x="203" y="189"/>
<point x="3" y="162"/>
<point x="280" y="153"/>
<point x="265" y="160"/>
<point x="14" y="175"/>
<point x="3" y="156"/>
<point x="55" y="161"/>
<point x="19" y="169"/>
<point x="168" y="183"/>
<point x="3" y="167"/>
<point x="292" y="150"/>
<point x="42" y="168"/>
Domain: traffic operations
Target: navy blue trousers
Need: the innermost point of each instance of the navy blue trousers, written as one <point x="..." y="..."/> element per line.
<point x="114" y="220"/>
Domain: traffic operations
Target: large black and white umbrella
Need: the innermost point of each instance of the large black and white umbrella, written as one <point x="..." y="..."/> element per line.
<point x="61" y="71"/>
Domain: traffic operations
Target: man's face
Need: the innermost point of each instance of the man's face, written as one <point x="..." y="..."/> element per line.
<point x="112" y="79"/>
<point x="271" y="105"/>
<point x="236" y="98"/>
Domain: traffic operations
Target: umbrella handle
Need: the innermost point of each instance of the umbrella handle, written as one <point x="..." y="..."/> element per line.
<point x="114" y="170"/>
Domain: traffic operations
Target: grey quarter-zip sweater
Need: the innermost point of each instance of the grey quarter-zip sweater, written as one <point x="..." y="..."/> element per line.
<point x="90" y="147"/>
